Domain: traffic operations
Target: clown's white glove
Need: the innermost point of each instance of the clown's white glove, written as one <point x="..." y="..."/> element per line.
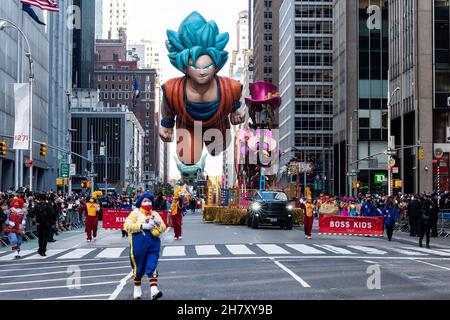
<point x="12" y="224"/>
<point x="148" y="226"/>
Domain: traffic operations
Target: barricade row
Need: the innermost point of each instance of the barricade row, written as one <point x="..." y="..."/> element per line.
<point x="71" y="221"/>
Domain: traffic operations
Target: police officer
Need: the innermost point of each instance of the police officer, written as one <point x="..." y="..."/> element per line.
<point x="43" y="213"/>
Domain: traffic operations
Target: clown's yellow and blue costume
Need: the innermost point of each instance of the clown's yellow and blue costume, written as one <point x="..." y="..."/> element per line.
<point x="144" y="245"/>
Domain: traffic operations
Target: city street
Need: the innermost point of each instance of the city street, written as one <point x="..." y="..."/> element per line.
<point x="234" y="263"/>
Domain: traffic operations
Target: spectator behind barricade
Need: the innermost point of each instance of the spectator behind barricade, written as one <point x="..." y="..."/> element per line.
<point x="3" y="207"/>
<point x="353" y="212"/>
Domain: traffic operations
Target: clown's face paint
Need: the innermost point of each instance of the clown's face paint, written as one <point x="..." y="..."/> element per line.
<point x="203" y="71"/>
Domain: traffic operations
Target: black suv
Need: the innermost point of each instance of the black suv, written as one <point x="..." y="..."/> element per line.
<point x="270" y="208"/>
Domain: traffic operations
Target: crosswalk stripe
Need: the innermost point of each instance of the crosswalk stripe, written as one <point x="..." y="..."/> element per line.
<point x="76" y="254"/>
<point x="49" y="253"/>
<point x="176" y="251"/>
<point x="239" y="250"/>
<point x="111" y="253"/>
<point x="407" y="252"/>
<point x="209" y="250"/>
<point x="11" y="256"/>
<point x="435" y="252"/>
<point x="368" y="250"/>
<point x="272" y="249"/>
<point x="334" y="249"/>
<point x="303" y="248"/>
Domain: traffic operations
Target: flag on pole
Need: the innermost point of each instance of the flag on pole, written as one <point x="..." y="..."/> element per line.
<point x="28" y="9"/>
<point x="136" y="92"/>
<point x="48" y="5"/>
<point x="22" y="116"/>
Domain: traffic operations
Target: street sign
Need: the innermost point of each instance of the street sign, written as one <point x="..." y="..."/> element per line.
<point x="391" y="162"/>
<point x="73" y="169"/>
<point x="395" y="170"/>
<point x="102" y="151"/>
<point x="29" y="163"/>
<point x="65" y="170"/>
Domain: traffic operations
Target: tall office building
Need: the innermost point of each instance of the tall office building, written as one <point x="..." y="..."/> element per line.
<point x="420" y="67"/>
<point x="98" y="19"/>
<point x="84" y="46"/>
<point x="361" y="62"/>
<point x="115" y="17"/>
<point x="265" y="20"/>
<point x="306" y="87"/>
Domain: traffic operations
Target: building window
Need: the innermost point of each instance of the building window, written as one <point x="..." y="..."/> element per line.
<point x="147" y="106"/>
<point x="106" y="95"/>
<point x="106" y="78"/>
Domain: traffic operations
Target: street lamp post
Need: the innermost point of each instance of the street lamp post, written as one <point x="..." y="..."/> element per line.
<point x="390" y="147"/>
<point x="4" y="23"/>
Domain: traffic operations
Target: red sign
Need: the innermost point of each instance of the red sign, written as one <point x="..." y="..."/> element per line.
<point x="351" y="226"/>
<point x="28" y="163"/>
<point x="115" y="218"/>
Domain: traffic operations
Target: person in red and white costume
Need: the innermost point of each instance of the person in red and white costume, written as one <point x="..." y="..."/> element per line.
<point x="15" y="225"/>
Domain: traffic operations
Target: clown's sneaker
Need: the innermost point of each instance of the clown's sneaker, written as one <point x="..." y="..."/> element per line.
<point x="137" y="293"/>
<point x="155" y="294"/>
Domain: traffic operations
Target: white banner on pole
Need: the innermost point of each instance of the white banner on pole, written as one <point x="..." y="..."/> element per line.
<point x="22" y="117"/>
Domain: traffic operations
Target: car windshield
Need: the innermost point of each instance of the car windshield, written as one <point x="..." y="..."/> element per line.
<point x="280" y="196"/>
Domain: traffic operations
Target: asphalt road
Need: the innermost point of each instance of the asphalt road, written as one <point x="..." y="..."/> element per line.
<point x="217" y="262"/>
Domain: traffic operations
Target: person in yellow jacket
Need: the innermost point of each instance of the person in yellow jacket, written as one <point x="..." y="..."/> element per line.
<point x="145" y="226"/>
<point x="92" y="210"/>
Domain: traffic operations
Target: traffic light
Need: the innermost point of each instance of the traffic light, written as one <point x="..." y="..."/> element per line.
<point x="88" y="184"/>
<point x="421" y="154"/>
<point x="43" y="150"/>
<point x="2" y="148"/>
<point x="356" y="184"/>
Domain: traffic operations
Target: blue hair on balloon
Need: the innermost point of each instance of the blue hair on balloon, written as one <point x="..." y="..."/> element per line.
<point x="195" y="38"/>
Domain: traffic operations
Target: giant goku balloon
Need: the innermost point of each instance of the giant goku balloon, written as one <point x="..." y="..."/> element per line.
<point x="201" y="103"/>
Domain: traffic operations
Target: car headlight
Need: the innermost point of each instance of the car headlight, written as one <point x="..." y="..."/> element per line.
<point x="290" y="207"/>
<point x="256" y="206"/>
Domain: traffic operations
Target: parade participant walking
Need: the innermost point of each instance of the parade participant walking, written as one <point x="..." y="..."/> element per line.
<point x="309" y="218"/>
<point x="145" y="226"/>
<point x="425" y="222"/>
<point x="15" y="225"/>
<point x="177" y="217"/>
<point x="390" y="214"/>
<point x="93" y="208"/>
<point x="42" y="212"/>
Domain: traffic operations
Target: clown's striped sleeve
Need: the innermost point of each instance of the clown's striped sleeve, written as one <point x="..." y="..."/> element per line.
<point x="131" y="224"/>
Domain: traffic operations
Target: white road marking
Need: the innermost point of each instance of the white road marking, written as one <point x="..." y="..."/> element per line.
<point x="272" y="249"/>
<point x="120" y="287"/>
<point x="407" y="252"/>
<point x="65" y="265"/>
<point x="209" y="250"/>
<point x="176" y="251"/>
<point x="11" y="256"/>
<point x="65" y="271"/>
<point x="76" y="254"/>
<point x="368" y="250"/>
<point x="429" y="251"/>
<point x="49" y="253"/>
<point x="430" y="264"/>
<point x="292" y="274"/>
<point x="369" y="262"/>
<point x="111" y="253"/>
<point x="75" y="297"/>
<point x="62" y="279"/>
<point x="303" y="248"/>
<point x="334" y="249"/>
<point x="59" y="287"/>
<point x="239" y="249"/>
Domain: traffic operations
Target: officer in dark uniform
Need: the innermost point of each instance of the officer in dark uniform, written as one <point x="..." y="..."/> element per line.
<point x="43" y="213"/>
<point x="414" y="208"/>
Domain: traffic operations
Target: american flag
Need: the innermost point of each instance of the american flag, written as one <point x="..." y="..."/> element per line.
<point x="48" y="5"/>
<point x="136" y="92"/>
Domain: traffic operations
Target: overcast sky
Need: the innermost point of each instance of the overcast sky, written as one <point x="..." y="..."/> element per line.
<point x="150" y="20"/>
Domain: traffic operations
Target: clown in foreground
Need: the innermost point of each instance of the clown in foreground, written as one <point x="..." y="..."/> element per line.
<point x="200" y="98"/>
<point x="145" y="226"/>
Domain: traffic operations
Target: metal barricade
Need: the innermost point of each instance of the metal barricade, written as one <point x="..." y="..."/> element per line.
<point x="444" y="223"/>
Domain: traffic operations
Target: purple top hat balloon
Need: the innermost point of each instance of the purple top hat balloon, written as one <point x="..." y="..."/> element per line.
<point x="263" y="93"/>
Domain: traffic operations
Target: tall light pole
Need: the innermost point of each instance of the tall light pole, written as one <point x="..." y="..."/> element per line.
<point x="4" y="23"/>
<point x="390" y="146"/>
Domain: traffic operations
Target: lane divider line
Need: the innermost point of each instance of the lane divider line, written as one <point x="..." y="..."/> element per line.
<point x="292" y="274"/>
<point x="120" y="287"/>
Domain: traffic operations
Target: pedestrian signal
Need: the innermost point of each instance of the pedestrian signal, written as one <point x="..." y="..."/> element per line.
<point x="421" y="154"/>
<point x="43" y="150"/>
<point x="3" y="148"/>
<point x="356" y="184"/>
